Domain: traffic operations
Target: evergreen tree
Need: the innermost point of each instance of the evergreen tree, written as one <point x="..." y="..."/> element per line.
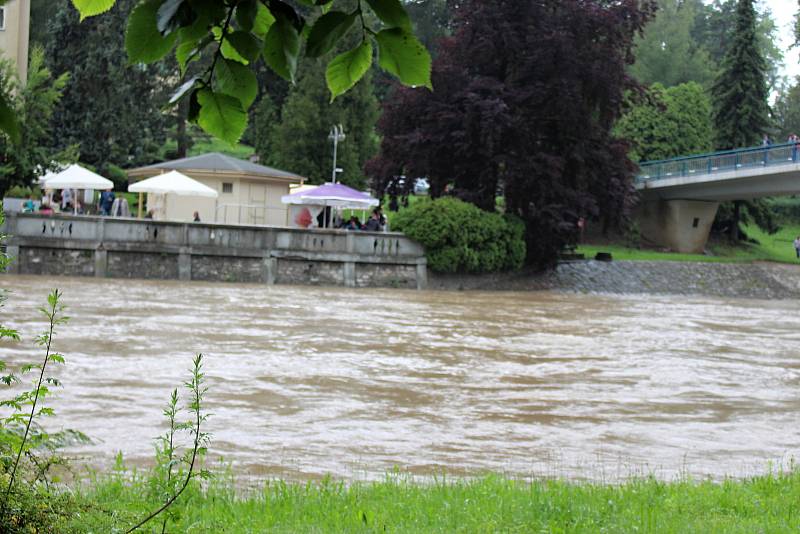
<point x="111" y="108"/>
<point x="715" y="26"/>
<point x="741" y="113"/>
<point x="297" y="139"/>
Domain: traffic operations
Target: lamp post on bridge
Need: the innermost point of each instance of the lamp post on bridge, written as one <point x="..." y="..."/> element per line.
<point x="337" y="136"/>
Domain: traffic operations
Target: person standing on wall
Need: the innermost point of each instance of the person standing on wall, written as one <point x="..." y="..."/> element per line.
<point x="106" y="201"/>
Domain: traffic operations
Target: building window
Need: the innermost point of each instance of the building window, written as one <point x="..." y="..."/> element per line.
<point x="227" y="188"/>
<point x="2" y="18"/>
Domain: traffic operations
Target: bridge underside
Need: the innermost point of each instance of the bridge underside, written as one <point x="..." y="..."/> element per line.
<point x="677" y="212"/>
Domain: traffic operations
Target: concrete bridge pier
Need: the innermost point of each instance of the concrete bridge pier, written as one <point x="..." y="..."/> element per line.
<point x="680" y="225"/>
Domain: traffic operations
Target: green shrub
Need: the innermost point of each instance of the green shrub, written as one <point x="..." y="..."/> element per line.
<point x="459" y="237"/>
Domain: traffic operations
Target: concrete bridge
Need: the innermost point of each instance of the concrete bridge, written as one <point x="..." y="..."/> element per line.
<point x="680" y="196"/>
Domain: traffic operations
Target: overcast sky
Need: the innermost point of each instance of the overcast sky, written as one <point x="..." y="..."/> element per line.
<point x="783" y="12"/>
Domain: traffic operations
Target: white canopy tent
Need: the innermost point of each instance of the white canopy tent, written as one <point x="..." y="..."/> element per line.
<point x="76" y="177"/>
<point x="173" y="183"/>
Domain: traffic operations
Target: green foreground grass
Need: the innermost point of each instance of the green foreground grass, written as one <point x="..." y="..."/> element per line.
<point x="776" y="247"/>
<point x="492" y="504"/>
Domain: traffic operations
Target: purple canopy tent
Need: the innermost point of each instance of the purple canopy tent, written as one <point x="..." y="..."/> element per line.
<point x="334" y="196"/>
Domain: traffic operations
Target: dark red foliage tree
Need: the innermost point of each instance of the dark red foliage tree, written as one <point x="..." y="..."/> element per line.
<point x="525" y="94"/>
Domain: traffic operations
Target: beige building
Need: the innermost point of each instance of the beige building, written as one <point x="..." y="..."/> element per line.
<point x="248" y="193"/>
<point x="15" y="19"/>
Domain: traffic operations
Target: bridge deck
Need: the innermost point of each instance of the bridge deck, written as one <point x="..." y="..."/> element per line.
<point x="735" y="174"/>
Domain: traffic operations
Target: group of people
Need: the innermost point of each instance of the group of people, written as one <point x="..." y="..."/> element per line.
<point x="69" y="201"/>
<point x="375" y="223"/>
<point x="766" y="141"/>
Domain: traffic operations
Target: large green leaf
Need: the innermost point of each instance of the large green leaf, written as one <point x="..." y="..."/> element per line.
<point x="391" y="12"/>
<point x="245" y="44"/>
<point x="346" y="69"/>
<point x="404" y="56"/>
<point x="89" y="8"/>
<point x="143" y="41"/>
<point x="281" y="47"/>
<point x="246" y="13"/>
<point x="327" y="30"/>
<point x="8" y="120"/>
<point x="221" y="115"/>
<point x="191" y="40"/>
<point x="236" y="80"/>
<point x="263" y="22"/>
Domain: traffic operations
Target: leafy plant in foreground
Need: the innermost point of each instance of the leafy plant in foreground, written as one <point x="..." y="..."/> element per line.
<point x="173" y="474"/>
<point x="19" y="433"/>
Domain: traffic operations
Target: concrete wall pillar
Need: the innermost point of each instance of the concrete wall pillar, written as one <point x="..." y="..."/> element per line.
<point x="680" y="225"/>
<point x="13" y="255"/>
<point x="100" y="230"/>
<point x="100" y="262"/>
<point x="349" y="273"/>
<point x="269" y="270"/>
<point x="422" y="274"/>
<point x="185" y="264"/>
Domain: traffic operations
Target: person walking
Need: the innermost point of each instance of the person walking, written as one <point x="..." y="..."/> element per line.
<point x="797" y="246"/>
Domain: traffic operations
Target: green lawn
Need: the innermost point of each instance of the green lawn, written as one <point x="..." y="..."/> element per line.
<point x="490" y="504"/>
<point x="777" y="247"/>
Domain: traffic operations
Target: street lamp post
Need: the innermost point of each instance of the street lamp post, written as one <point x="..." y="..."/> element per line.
<point x="337" y="136"/>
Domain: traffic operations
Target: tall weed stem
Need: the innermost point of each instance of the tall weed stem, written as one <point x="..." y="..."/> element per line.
<point x="46" y="339"/>
<point x="198" y="391"/>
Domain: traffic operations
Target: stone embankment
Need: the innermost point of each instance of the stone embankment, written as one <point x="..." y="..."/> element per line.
<point x="737" y="280"/>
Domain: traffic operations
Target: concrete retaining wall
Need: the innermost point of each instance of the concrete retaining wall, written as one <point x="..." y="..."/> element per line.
<point x="133" y="248"/>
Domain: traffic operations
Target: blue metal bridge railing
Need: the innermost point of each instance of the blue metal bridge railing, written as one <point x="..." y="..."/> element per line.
<point x="730" y="160"/>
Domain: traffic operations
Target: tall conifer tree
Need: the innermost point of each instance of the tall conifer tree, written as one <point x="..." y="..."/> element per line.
<point x="741" y="113"/>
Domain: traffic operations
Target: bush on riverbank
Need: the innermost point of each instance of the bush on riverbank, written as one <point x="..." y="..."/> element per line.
<point x="459" y="237"/>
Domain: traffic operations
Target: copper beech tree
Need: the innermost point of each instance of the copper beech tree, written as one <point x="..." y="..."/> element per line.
<point x="526" y="96"/>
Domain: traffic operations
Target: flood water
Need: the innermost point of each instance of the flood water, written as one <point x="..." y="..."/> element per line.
<point x="308" y="381"/>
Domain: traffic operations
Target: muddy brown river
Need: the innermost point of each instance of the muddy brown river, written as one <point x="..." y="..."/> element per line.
<point x="307" y="381"/>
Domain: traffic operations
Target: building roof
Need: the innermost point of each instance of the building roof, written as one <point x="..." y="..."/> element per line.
<point x="214" y="162"/>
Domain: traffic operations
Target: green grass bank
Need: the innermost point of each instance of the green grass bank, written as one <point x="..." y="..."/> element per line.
<point x="766" y="504"/>
<point x="776" y="247"/>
